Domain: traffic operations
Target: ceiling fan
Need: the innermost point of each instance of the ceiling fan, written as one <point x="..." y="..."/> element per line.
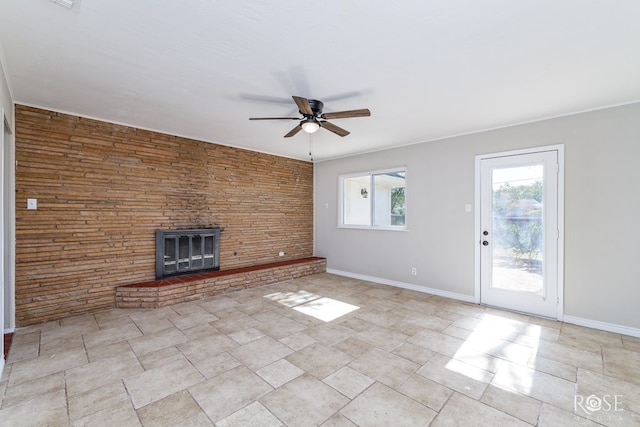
<point x="314" y="119"/>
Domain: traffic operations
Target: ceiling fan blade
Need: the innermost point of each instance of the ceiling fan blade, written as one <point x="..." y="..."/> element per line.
<point x="303" y="105"/>
<point x="364" y="112"/>
<point x="274" y="118"/>
<point x="293" y="131"/>
<point x="333" y="128"/>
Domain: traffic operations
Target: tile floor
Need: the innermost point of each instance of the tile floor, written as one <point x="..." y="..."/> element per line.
<point x="319" y="350"/>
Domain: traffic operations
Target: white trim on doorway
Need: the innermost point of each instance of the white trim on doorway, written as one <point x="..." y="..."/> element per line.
<point x="560" y="269"/>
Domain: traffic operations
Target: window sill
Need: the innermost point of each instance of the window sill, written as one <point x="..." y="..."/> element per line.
<point x="368" y="227"/>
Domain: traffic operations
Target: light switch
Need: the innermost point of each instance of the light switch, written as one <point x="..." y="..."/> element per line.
<point x="32" y="204"/>
<point x="467" y="208"/>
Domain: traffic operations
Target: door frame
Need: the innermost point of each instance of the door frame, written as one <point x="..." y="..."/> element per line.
<point x="8" y="224"/>
<point x="559" y="148"/>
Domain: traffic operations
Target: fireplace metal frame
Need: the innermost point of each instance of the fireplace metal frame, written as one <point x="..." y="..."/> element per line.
<point x="186" y="265"/>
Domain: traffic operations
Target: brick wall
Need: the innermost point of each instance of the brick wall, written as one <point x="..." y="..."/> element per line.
<point x="103" y="189"/>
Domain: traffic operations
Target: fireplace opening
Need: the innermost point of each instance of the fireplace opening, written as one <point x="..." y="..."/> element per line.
<point x="187" y="251"/>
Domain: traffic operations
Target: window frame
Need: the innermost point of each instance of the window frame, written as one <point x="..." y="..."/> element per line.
<point x="371" y="174"/>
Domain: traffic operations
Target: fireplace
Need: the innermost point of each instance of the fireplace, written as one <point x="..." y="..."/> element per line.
<point x="187" y="251"/>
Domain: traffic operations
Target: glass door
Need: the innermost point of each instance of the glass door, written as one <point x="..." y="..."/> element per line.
<point x="519" y="232"/>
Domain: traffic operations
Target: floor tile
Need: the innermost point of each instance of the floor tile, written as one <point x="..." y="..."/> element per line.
<point x="107" y="351"/>
<point x="228" y="392"/>
<point x="97" y="399"/>
<point x="380" y="405"/>
<point x="348" y="381"/>
<point x="304" y="401"/>
<point x="207" y="346"/>
<point x="160" y="357"/>
<point x="329" y="334"/>
<point x="242" y="359"/>
<point x="200" y="331"/>
<point x="169" y="411"/>
<point x="571" y="355"/>
<point x="588" y="338"/>
<point x="338" y="420"/>
<point x="297" y="341"/>
<point x="425" y="391"/>
<point x="261" y="352"/>
<point x="80" y="324"/>
<point x="29" y="389"/>
<point x="43" y="410"/>
<point x="198" y="420"/>
<point x="379" y="317"/>
<point x="622" y="363"/>
<point x="517" y="405"/>
<point x="437" y="342"/>
<point x="385" y="367"/>
<point x="121" y="414"/>
<point x="155" y="384"/>
<point x="214" y="365"/>
<point x="150" y="324"/>
<point x="43" y="366"/>
<point x="319" y="360"/>
<point x="279" y="373"/>
<point x="246" y="336"/>
<point x="463" y="411"/>
<point x="154" y="341"/>
<point x="456" y="375"/>
<point x="553" y="367"/>
<point x="112" y="335"/>
<point x="197" y="317"/>
<point x="631" y="343"/>
<point x="539" y="385"/>
<point x="550" y="416"/>
<point x="52" y="345"/>
<point x="382" y="338"/>
<point x="280" y="327"/>
<point x="24" y="346"/>
<point x="218" y="304"/>
<point x="252" y="415"/>
<point x="104" y="371"/>
<point x="353" y="346"/>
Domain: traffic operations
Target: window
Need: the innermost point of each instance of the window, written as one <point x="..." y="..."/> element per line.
<point x="374" y="199"/>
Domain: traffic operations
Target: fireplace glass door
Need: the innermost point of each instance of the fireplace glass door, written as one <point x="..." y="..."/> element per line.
<point x="186" y="251"/>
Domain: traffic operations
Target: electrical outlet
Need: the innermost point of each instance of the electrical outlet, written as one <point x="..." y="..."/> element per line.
<point x="281" y="253"/>
<point x="414" y="271"/>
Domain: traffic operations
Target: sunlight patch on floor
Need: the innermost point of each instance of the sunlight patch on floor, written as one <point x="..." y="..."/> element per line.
<point x="292" y="299"/>
<point x="495" y="340"/>
<point x="326" y="309"/>
<point x="323" y="308"/>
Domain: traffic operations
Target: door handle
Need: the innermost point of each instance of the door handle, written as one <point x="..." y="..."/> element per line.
<point x="485" y="243"/>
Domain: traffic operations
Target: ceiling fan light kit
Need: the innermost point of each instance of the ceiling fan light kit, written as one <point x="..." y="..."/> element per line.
<point x="310" y="125"/>
<point x="313" y="118"/>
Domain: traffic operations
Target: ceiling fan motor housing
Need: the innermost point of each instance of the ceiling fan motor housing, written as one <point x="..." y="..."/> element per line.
<point x="316" y="107"/>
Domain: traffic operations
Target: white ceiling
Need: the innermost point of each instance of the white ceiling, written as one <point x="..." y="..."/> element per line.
<point x="426" y="69"/>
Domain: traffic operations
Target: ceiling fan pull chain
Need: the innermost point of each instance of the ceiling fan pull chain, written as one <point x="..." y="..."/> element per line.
<point x="311" y="147"/>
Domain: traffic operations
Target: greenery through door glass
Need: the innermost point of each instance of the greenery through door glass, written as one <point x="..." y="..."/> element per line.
<point x="517" y="220"/>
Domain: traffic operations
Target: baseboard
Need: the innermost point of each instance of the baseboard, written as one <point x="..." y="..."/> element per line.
<point x="403" y="285"/>
<point x="604" y="326"/>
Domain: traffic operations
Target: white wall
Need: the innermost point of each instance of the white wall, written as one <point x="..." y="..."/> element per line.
<point x="6" y="112"/>
<point x="602" y="212"/>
